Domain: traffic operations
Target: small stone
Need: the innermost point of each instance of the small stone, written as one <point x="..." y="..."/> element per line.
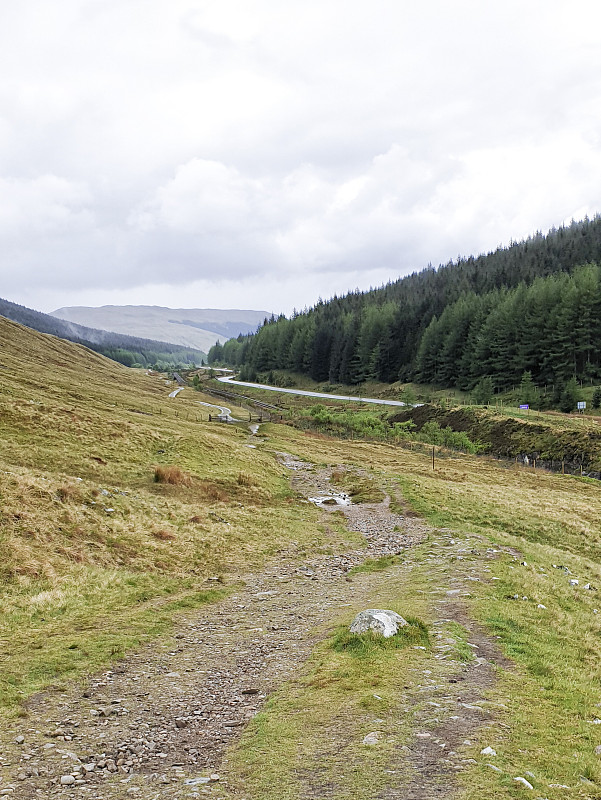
<point x="488" y="751"/>
<point x="372" y="738"/>
<point x="22" y="776"/>
<point x="214" y="777"/>
<point x="180" y="723"/>
<point x="598" y="750"/>
<point x="67" y="780"/>
<point x="540" y="605"/>
<point x="493" y="767"/>
<point x="19" y="740"/>
<point x="573" y="582"/>
<point x="524" y="782"/>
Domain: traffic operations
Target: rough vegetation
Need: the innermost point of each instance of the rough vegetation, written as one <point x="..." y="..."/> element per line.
<point x="535" y="439"/>
<point x="155" y="633"/>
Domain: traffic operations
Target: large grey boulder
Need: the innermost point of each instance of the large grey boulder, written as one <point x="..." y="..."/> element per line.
<point x="387" y="623"/>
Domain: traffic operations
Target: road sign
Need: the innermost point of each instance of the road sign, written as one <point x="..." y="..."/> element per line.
<point x="525" y="406"/>
<point x="581" y="405"/>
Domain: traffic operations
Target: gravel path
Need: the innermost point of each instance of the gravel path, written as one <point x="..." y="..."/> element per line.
<point x="160" y="723"/>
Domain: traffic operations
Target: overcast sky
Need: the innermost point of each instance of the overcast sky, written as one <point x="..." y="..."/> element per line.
<point x="263" y="153"/>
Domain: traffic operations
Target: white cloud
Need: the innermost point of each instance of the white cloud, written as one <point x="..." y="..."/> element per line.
<point x="310" y="148"/>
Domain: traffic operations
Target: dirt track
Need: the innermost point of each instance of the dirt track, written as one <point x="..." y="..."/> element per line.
<point x="162" y="721"/>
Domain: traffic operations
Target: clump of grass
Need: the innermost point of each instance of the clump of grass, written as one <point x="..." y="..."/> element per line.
<point x="375" y="564"/>
<point x="463" y="651"/>
<point x="172" y="475"/>
<point x="164" y="536"/>
<point x="67" y="493"/>
<point x="361" y="488"/>
<point x="244" y="479"/>
<point x="211" y="490"/>
<point x="365" y="645"/>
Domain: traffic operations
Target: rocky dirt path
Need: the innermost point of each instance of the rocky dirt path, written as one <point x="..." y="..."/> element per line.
<point x="160" y="723"/>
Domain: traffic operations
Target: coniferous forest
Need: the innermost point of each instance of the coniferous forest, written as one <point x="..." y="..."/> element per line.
<point x="534" y="306"/>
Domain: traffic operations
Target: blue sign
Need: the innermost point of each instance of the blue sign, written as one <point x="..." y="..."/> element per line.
<point x="525" y="406"/>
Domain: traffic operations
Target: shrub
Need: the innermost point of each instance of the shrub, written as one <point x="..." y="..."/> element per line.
<point x="172" y="475"/>
<point x="432" y="433"/>
<point x="68" y="493"/>
<point x="163" y="536"/>
<point x="244" y="479"/>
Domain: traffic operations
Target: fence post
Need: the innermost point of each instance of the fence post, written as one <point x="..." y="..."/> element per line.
<point x="432" y="456"/>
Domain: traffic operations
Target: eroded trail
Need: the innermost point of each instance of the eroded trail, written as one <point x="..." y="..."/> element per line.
<point x="162" y="722"/>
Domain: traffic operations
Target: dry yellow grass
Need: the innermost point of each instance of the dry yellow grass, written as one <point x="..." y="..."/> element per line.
<point x="90" y="542"/>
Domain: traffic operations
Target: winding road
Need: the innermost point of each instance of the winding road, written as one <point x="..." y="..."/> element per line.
<point x="372" y="400"/>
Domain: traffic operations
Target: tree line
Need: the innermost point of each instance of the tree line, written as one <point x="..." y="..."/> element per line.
<point x="532" y="306"/>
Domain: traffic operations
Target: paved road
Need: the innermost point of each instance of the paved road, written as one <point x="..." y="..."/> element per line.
<point x="225" y="413"/>
<point x="372" y="400"/>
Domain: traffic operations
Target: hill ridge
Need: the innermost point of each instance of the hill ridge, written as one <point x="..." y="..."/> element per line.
<point x="199" y="328"/>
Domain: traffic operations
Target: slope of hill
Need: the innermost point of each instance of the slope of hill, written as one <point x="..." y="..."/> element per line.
<point x="126" y="349"/>
<point x="524" y="307"/>
<point x="189" y="327"/>
<point x="98" y="549"/>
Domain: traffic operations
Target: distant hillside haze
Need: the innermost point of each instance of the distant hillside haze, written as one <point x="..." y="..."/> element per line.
<point x="128" y="350"/>
<point x="199" y="328"/>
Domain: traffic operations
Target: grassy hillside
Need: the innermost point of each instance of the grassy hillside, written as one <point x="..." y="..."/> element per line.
<point x="95" y="555"/>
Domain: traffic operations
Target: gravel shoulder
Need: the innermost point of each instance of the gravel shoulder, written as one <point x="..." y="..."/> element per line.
<point x="161" y="723"/>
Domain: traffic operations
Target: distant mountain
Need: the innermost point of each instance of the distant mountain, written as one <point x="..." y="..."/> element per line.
<point x="127" y="350"/>
<point x="188" y="327"/>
